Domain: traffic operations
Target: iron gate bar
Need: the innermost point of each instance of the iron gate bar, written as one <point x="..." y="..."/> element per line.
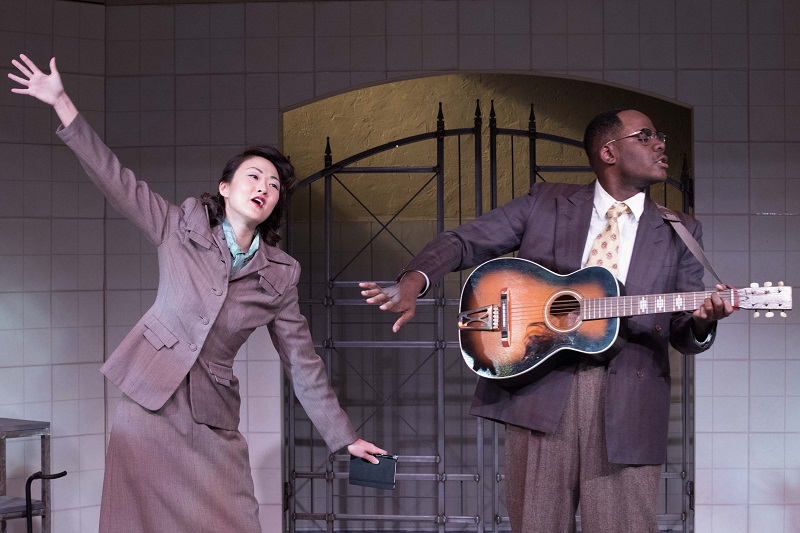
<point x="478" y="157"/>
<point x="554" y="169"/>
<point x="496" y="473"/>
<point x="384" y="227"/>
<point x="514" y="169"/>
<point x="439" y="309"/>
<point x="458" y="519"/>
<point x="532" y="163"/>
<point x="385" y="170"/>
<point x="384" y="344"/>
<point x="337" y="167"/>
<point x="541" y="136"/>
<point x="492" y="157"/>
<point x="360" y="303"/>
<point x="685" y="423"/>
<point x="400" y="459"/>
<point x="328" y="183"/>
<point x="310" y="474"/>
<point x="384" y="400"/>
<point x="441" y="519"/>
<point x="385" y="518"/>
<point x="290" y="488"/>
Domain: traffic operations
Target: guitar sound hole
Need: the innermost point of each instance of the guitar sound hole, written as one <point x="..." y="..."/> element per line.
<point x="564" y="312"/>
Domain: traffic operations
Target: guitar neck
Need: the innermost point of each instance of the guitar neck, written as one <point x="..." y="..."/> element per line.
<point x="649" y="304"/>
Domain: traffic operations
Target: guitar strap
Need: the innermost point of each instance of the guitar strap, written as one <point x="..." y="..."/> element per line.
<point x="690" y="241"/>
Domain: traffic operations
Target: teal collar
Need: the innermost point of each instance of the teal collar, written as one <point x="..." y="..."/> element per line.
<point x="240" y="257"/>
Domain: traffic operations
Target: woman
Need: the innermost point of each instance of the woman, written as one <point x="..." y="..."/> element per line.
<point x="176" y="460"/>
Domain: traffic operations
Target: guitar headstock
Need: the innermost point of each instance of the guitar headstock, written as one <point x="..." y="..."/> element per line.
<point x="768" y="298"/>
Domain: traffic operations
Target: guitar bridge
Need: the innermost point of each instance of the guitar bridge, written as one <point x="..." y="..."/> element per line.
<point x="481" y="319"/>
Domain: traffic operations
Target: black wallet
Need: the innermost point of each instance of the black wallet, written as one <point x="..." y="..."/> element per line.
<point x="379" y="476"/>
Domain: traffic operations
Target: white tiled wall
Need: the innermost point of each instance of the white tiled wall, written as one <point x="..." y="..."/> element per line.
<point x="177" y="89"/>
<point x="52" y="256"/>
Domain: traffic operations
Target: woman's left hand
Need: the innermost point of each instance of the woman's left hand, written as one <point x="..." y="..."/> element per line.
<point x="365" y="450"/>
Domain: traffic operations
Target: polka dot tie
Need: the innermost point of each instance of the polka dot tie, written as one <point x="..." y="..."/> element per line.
<point x="605" y="248"/>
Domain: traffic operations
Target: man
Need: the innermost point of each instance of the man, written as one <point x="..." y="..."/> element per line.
<point x="585" y="431"/>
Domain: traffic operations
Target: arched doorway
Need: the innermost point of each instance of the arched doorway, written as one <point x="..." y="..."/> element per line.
<point x="387" y="169"/>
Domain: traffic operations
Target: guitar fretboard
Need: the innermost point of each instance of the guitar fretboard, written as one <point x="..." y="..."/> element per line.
<point x="646" y="304"/>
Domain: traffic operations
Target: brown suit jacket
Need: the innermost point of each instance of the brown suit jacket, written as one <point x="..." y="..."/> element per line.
<point x="549" y="225"/>
<point x="202" y="315"/>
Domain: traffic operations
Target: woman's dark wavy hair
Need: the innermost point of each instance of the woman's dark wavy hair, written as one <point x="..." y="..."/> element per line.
<point x="268" y="230"/>
<point x="606" y="124"/>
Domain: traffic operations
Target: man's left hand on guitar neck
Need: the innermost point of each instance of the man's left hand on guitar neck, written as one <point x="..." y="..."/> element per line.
<point x="713" y="309"/>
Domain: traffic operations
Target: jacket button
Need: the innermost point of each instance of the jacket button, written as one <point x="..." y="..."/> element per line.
<point x="217" y="291"/>
<point x="193" y="347"/>
<point x="640" y="374"/>
<point x="204" y="320"/>
<point x="658" y="327"/>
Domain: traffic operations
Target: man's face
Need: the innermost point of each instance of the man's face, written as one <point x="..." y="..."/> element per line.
<point x="640" y="160"/>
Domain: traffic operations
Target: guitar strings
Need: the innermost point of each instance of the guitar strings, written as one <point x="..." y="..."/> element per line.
<point x="566" y="307"/>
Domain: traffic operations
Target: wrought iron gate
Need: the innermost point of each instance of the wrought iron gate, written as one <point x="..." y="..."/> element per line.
<point x="410" y="392"/>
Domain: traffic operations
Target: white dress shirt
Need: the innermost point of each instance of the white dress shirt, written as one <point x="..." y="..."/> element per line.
<point x="628" y="224"/>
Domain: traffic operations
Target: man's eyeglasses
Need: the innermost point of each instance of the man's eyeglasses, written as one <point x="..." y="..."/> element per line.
<point x="644" y="136"/>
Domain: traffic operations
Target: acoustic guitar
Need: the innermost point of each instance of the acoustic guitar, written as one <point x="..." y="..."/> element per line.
<point x="516" y="315"/>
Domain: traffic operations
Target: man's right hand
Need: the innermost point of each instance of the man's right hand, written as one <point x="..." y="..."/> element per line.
<point x="398" y="298"/>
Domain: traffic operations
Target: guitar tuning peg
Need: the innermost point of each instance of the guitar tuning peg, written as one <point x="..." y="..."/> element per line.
<point x="756" y="314"/>
<point x="783" y="314"/>
<point x="780" y="284"/>
<point x="768" y="284"/>
<point x="769" y="314"/>
<point x="754" y="285"/>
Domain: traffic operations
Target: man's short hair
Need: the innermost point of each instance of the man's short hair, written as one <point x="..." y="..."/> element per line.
<point x="601" y="126"/>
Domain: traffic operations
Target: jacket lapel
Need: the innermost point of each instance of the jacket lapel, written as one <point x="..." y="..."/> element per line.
<point x="574" y="213"/>
<point x="199" y="231"/>
<point x="263" y="258"/>
<point x="648" y="250"/>
<point x="198" y="227"/>
<point x="259" y="261"/>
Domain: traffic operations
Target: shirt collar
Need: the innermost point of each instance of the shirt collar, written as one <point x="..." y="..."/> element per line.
<point x="603" y="201"/>
<point x="233" y="246"/>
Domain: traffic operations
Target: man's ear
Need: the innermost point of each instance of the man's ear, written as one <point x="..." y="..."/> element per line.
<point x="607" y="155"/>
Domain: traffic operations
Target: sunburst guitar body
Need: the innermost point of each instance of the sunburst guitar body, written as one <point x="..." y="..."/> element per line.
<point x="516" y="315"/>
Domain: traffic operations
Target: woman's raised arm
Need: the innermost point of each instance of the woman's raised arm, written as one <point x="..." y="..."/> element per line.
<point x="47" y="88"/>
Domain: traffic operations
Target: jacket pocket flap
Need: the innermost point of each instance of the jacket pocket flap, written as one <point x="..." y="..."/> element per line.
<point x="222" y="374"/>
<point x="273" y="280"/>
<point x="200" y="239"/>
<point x="157" y="334"/>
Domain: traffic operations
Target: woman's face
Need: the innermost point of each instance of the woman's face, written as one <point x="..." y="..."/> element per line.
<point x="252" y="192"/>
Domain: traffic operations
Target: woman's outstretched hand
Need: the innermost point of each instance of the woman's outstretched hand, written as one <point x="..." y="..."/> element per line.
<point x="47" y="88"/>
